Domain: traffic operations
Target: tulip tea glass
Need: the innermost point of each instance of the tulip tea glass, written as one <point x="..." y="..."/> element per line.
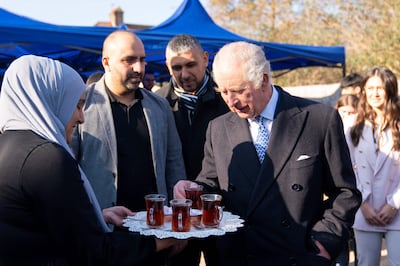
<point x="212" y="211"/>
<point x="181" y="215"/>
<point x="155" y="210"/>
<point x="193" y="192"/>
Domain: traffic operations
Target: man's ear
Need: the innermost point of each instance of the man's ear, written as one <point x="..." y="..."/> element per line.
<point x="205" y="58"/>
<point x="105" y="63"/>
<point x="265" y="79"/>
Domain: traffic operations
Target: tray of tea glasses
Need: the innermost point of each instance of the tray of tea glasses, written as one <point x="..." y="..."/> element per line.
<point x="137" y="223"/>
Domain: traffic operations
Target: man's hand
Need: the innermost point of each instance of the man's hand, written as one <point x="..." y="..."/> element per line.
<point x="175" y="245"/>
<point x="322" y="250"/>
<point x="115" y="215"/>
<point x="179" y="188"/>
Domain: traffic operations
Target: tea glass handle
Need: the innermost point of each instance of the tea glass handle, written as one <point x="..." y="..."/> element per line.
<point x="220" y="211"/>
<point x="180" y="222"/>
<point x="151" y="216"/>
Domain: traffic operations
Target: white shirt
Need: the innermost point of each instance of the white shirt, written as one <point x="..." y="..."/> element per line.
<point x="267" y="113"/>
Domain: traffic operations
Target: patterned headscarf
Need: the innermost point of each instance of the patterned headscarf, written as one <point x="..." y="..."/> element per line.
<point x="41" y="94"/>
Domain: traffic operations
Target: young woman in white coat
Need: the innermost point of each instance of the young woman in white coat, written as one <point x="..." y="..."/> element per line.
<point x="373" y="136"/>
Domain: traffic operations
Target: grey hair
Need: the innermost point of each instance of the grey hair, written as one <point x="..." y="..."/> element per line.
<point x="250" y="57"/>
<point x="182" y="43"/>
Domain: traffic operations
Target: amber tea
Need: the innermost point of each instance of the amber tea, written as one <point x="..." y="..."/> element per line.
<point x="212" y="211"/>
<point x="193" y="193"/>
<point x="181" y="215"/>
<point x="155" y="210"/>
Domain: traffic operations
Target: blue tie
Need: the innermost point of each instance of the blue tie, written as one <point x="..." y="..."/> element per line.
<point x="261" y="143"/>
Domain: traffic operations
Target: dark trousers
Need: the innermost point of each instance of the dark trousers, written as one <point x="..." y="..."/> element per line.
<point x="343" y="258"/>
<point x="190" y="256"/>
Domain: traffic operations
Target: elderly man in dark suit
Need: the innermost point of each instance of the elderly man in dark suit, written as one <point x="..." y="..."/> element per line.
<point x="298" y="197"/>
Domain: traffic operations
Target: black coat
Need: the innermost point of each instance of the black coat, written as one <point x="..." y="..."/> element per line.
<point x="281" y="200"/>
<point x="46" y="217"/>
<point x="210" y="106"/>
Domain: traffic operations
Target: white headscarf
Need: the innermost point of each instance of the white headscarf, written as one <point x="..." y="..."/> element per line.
<point x="41" y="94"/>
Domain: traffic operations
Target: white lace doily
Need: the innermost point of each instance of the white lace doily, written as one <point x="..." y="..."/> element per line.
<point x="137" y="223"/>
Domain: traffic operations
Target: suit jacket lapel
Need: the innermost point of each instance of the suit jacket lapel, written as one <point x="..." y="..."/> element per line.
<point x="367" y="144"/>
<point x="287" y="126"/>
<point x="106" y="120"/>
<point x="241" y="143"/>
<point x="154" y="122"/>
<point x="384" y="152"/>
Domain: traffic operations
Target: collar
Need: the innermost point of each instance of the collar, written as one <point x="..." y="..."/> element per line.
<point x="138" y="95"/>
<point x="208" y="95"/>
<point x="269" y="110"/>
<point x="200" y="91"/>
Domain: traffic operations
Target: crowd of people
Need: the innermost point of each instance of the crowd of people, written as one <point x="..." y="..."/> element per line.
<point x="76" y="159"/>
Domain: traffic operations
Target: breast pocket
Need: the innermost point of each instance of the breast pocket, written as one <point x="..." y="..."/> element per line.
<point x="303" y="161"/>
<point x="302" y="171"/>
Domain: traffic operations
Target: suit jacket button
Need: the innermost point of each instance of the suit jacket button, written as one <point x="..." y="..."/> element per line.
<point x="285" y="223"/>
<point x="297" y="187"/>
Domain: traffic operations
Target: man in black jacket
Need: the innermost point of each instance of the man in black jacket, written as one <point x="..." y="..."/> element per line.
<point x="194" y="102"/>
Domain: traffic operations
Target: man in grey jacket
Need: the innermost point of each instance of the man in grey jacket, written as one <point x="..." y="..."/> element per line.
<point x="129" y="145"/>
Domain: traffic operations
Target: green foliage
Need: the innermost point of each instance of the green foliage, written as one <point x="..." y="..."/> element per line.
<point x="369" y="30"/>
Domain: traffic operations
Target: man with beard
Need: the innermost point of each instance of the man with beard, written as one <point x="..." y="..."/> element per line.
<point x="129" y="146"/>
<point x="194" y="102"/>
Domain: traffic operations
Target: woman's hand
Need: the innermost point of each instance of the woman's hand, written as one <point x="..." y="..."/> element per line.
<point x="387" y="214"/>
<point x="370" y="214"/>
<point x="116" y="215"/>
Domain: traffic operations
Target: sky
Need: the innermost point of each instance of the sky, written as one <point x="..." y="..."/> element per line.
<point x="88" y="12"/>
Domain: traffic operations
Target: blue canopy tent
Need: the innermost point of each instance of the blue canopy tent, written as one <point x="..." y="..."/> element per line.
<point x="81" y="47"/>
<point x="192" y="18"/>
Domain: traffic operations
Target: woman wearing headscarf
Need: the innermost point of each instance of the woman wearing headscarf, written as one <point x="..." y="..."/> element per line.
<point x="48" y="212"/>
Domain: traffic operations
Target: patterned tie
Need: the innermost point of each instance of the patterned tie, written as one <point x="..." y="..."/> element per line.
<point x="261" y="143"/>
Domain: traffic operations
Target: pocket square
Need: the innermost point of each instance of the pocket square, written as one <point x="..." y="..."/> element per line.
<point x="302" y="157"/>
